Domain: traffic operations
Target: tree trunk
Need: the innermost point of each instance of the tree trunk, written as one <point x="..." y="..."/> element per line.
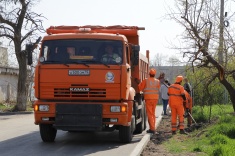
<point x="230" y="90"/>
<point x="21" y="101"/>
<point x="222" y="79"/>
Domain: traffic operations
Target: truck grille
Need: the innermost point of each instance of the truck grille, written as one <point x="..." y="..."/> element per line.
<point x="65" y="92"/>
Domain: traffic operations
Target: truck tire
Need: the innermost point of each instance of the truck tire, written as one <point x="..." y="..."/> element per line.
<point x="145" y="115"/>
<point x="126" y="133"/>
<point x="47" y="132"/>
<point x="140" y="127"/>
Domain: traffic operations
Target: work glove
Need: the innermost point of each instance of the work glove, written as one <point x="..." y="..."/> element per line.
<point x="187" y="110"/>
<point x="186" y="113"/>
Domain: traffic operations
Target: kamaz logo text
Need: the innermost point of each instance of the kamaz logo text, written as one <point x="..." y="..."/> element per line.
<point x="79" y="89"/>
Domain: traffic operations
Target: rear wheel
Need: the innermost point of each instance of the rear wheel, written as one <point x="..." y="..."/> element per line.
<point x="145" y="116"/>
<point x="47" y="132"/>
<point x="140" y="127"/>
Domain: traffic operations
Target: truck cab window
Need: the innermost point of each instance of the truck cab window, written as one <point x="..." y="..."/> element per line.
<point x="111" y="55"/>
<point x="92" y="51"/>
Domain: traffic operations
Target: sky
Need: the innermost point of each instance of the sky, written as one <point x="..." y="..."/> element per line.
<point x="156" y="37"/>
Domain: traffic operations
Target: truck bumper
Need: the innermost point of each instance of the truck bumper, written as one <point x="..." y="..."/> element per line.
<point x="81" y="116"/>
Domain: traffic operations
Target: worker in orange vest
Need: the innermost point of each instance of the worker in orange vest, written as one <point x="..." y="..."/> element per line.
<point x="150" y="88"/>
<point x="188" y="104"/>
<point x="176" y="98"/>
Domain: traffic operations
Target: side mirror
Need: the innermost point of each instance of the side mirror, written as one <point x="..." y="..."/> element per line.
<point x="29" y="51"/>
<point x="136" y="48"/>
<point x="135" y="54"/>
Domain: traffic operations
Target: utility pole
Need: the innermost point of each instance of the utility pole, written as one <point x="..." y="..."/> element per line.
<point x="221" y="34"/>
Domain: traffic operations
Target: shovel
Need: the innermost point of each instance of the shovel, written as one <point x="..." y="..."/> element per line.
<point x="196" y="124"/>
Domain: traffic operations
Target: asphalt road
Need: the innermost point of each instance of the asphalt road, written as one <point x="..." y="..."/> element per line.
<point x="19" y="136"/>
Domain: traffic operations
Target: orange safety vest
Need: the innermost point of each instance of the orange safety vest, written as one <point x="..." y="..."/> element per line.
<point x="151" y="90"/>
<point x="175" y="92"/>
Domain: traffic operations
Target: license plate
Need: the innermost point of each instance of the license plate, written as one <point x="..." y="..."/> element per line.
<point x="79" y="72"/>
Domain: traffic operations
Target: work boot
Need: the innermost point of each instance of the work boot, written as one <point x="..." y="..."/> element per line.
<point x="173" y="132"/>
<point x="183" y="132"/>
<point x="178" y="127"/>
<point x="150" y="131"/>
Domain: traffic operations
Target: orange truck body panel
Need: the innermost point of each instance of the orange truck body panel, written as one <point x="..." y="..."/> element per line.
<point x="78" y="85"/>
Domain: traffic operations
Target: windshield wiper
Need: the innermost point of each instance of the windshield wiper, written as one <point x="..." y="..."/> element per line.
<point x="80" y="62"/>
<point x="97" y="61"/>
<point x="66" y="63"/>
<point x="60" y="62"/>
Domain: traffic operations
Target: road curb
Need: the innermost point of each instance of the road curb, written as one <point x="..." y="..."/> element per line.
<point x="141" y="145"/>
<point x="144" y="141"/>
<point x="15" y="113"/>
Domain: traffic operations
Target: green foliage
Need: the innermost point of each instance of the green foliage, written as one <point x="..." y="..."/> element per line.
<point x="205" y="90"/>
<point x="222" y="150"/>
<point x="198" y="114"/>
<point x="204" y="113"/>
<point x="4" y="107"/>
<point x="215" y="139"/>
<point x="197" y="149"/>
<point x="226" y="129"/>
<point x="219" y="139"/>
<point x="1" y="106"/>
<point x="217" y="151"/>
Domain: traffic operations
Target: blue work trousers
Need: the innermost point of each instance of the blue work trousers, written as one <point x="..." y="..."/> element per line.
<point x="165" y="103"/>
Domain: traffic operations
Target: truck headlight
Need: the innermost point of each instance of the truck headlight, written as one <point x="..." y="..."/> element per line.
<point x="115" y="109"/>
<point x="43" y="108"/>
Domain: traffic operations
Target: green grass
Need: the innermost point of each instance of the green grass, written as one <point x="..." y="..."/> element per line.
<point x="214" y="139"/>
<point x="10" y="107"/>
<point x="4" y="107"/>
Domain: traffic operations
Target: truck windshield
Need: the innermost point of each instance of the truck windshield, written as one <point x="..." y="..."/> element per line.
<point x="82" y="51"/>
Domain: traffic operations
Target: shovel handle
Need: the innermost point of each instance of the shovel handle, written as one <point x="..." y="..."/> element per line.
<point x="192" y="117"/>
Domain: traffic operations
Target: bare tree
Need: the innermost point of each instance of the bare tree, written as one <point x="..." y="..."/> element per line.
<point x="19" y="25"/>
<point x="158" y="60"/>
<point x="201" y="39"/>
<point x="174" y="61"/>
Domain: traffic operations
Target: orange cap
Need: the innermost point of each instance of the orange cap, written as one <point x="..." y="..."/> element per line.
<point x="179" y="79"/>
<point x="152" y="71"/>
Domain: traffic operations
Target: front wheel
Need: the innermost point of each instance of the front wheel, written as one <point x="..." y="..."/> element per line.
<point x="47" y="132"/>
<point x="126" y="132"/>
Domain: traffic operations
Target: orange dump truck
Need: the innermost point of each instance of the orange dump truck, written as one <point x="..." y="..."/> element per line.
<point x="77" y="90"/>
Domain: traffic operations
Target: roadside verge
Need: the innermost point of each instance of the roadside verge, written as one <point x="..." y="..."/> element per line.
<point x="141" y="145"/>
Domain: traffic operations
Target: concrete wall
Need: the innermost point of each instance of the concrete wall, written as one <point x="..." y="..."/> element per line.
<point x="8" y="78"/>
<point x="170" y="71"/>
<point x="8" y="84"/>
<point x="3" y="57"/>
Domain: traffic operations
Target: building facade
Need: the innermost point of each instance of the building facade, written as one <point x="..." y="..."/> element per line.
<point x="170" y="72"/>
<point x="8" y="78"/>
